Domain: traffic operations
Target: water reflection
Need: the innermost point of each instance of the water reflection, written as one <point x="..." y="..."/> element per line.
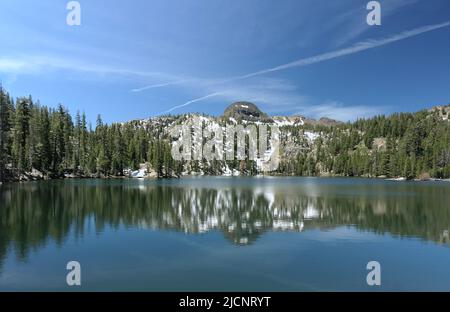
<point x="33" y="213"/>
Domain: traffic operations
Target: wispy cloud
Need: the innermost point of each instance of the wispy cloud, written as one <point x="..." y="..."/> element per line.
<point x="192" y="101"/>
<point x="14" y="66"/>
<point x="356" y="48"/>
<point x="352" y="24"/>
<point x="277" y="95"/>
<point x="270" y="93"/>
<point x="359" y="47"/>
<point x="26" y="64"/>
<point x="226" y="88"/>
<point x="338" y="110"/>
<point x="40" y="64"/>
<point x="159" y="85"/>
<point x="37" y="64"/>
<point x="281" y="103"/>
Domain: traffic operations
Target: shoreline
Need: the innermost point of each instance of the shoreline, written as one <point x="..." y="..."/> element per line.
<point x="101" y="177"/>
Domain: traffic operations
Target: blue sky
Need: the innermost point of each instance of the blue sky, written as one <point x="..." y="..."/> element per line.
<point x="136" y="59"/>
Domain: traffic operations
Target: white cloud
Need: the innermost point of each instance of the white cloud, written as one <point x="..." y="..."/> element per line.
<point x="26" y="64"/>
<point x="269" y="93"/>
<point x="339" y="111"/>
<point x="14" y="66"/>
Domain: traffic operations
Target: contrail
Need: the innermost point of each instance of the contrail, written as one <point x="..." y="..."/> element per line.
<point x="358" y="47"/>
<point x="192" y="101"/>
<point x="159" y="85"/>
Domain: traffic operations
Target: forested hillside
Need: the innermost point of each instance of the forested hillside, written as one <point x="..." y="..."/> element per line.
<point x="52" y="142"/>
<point x="41" y="142"/>
<point x="410" y="145"/>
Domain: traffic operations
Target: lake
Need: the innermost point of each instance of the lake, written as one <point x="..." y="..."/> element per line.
<point x="225" y="234"/>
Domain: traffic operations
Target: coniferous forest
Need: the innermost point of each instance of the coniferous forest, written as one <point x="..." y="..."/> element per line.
<point x="408" y="145"/>
<point x="51" y="143"/>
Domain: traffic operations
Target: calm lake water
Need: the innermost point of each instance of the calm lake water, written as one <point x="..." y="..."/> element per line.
<point x="232" y="234"/>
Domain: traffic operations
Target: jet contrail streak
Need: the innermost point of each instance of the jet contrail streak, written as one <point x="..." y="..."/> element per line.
<point x="159" y="85"/>
<point x="358" y="47"/>
<point x="192" y="101"/>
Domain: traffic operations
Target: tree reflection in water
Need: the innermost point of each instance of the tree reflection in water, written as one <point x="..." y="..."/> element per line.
<point x="33" y="213"/>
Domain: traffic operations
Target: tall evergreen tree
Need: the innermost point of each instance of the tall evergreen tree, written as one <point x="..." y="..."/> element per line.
<point x="6" y="111"/>
<point x="20" y="134"/>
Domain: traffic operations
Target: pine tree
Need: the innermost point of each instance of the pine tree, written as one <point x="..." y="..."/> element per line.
<point x="5" y="125"/>
<point x="45" y="151"/>
<point x="84" y="144"/>
<point x="118" y="154"/>
<point x="20" y="135"/>
<point x="76" y="156"/>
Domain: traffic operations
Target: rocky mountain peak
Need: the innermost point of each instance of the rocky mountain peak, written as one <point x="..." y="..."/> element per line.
<point x="245" y="111"/>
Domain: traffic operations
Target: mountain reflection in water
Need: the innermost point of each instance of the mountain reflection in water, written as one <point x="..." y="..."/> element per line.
<point x="241" y="208"/>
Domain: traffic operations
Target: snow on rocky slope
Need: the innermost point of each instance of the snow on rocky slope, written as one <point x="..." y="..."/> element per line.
<point x="297" y="133"/>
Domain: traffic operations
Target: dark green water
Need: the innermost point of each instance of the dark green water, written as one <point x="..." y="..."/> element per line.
<point x="256" y="234"/>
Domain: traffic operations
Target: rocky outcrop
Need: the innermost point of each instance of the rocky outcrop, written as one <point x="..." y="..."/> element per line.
<point x="245" y="111"/>
<point x="443" y="111"/>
